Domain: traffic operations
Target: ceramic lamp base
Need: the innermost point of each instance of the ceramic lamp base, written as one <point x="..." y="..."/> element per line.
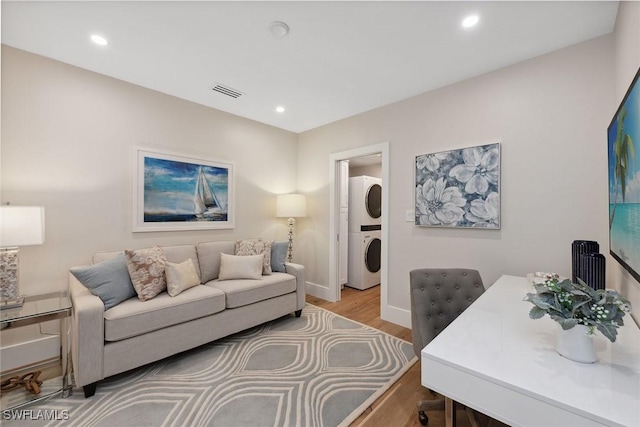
<point x="9" y="273"/>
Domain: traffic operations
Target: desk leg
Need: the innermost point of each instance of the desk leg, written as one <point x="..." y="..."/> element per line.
<point x="449" y="412"/>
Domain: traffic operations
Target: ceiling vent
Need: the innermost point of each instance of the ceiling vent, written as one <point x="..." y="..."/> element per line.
<point x="226" y="90"/>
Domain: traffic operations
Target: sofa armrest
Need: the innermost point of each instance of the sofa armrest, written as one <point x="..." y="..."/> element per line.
<point x="297" y="270"/>
<point x="87" y="330"/>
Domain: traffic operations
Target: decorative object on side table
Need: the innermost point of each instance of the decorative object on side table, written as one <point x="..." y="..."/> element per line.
<point x="579" y="248"/>
<point x="19" y="226"/>
<point x="579" y="310"/>
<point x="291" y="206"/>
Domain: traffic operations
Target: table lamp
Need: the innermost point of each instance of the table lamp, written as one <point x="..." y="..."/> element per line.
<point x="291" y="206"/>
<point x="19" y="226"/>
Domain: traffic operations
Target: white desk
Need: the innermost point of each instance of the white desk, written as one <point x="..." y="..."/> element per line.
<point x="495" y="359"/>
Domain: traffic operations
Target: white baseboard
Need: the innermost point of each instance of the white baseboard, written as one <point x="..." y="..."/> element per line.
<point x="399" y="316"/>
<point x="319" y="291"/>
<point x="28" y="352"/>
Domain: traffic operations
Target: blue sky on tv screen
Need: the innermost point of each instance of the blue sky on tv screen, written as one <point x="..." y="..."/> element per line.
<point x="631" y="127"/>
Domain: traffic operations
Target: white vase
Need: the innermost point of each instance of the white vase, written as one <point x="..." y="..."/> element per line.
<point x="576" y="344"/>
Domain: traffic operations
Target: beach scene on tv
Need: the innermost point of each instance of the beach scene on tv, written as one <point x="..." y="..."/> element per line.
<point x="178" y="192"/>
<point x="624" y="182"/>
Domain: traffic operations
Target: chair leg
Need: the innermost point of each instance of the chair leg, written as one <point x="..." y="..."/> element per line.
<point x="436" y="404"/>
<point x="298" y="313"/>
<point x="423" y="418"/>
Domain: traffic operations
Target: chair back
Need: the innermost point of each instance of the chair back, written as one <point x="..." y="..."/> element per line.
<point x="438" y="296"/>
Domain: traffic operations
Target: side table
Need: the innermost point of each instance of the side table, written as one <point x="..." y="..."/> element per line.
<point x="38" y="309"/>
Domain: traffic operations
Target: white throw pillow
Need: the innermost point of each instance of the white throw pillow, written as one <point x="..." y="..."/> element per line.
<point x="180" y="276"/>
<point x="240" y="267"/>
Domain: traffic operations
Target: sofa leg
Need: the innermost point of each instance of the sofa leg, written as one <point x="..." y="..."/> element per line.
<point x="89" y="389"/>
<point x="298" y="313"/>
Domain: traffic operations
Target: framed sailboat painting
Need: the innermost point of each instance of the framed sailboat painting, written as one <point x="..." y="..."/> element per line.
<point x="174" y="192"/>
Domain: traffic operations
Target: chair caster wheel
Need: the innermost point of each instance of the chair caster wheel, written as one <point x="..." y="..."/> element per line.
<point x="422" y="417"/>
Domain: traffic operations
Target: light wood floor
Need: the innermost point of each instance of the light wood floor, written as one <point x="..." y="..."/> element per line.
<point x="396" y="407"/>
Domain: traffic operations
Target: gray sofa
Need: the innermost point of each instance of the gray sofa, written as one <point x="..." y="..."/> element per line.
<point x="134" y="333"/>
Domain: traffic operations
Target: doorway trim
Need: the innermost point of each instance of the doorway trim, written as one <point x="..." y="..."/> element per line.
<point x="334" y="209"/>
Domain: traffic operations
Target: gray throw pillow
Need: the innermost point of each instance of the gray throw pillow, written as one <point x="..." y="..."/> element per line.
<point x="109" y="280"/>
<point x="279" y="256"/>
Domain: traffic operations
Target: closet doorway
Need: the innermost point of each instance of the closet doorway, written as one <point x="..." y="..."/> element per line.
<point x="351" y="225"/>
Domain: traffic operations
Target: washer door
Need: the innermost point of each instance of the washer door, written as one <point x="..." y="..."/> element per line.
<point x="372" y="255"/>
<point x="373" y="201"/>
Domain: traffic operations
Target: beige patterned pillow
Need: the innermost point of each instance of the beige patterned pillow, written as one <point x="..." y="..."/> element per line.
<point x="256" y="247"/>
<point x="146" y="269"/>
<point x="180" y="276"/>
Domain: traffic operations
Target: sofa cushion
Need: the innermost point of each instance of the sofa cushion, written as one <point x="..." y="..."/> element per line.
<point x="181" y="253"/>
<point x="134" y="317"/>
<point x="246" y="291"/>
<point x="240" y="267"/>
<point x="146" y="268"/>
<point x="180" y="276"/>
<point x="209" y="258"/>
<point x="256" y="247"/>
<point x="109" y="280"/>
<point x="279" y="256"/>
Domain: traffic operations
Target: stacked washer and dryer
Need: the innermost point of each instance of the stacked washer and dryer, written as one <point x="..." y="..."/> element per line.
<point x="365" y="223"/>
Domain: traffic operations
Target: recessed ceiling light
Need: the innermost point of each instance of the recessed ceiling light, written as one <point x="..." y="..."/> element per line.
<point x="279" y="29"/>
<point x="99" y="40"/>
<point x="280" y="109"/>
<point x="470" y="21"/>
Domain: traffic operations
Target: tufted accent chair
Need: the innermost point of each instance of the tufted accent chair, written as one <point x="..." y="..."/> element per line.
<point x="438" y="296"/>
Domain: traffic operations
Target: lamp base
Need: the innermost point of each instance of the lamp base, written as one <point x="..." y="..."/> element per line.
<point x="291" y="222"/>
<point x="9" y="273"/>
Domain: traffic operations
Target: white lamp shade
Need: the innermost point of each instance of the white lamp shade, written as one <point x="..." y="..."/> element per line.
<point x="21" y="226"/>
<point x="291" y="206"/>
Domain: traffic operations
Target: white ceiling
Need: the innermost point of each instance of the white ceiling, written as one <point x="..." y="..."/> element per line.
<point x="340" y="58"/>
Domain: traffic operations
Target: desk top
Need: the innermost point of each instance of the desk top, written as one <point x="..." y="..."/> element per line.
<point x="495" y="342"/>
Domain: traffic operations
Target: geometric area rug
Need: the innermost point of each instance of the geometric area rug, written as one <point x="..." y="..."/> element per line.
<point x="317" y="370"/>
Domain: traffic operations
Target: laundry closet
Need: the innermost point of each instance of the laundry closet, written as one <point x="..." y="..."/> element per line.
<point x="362" y="255"/>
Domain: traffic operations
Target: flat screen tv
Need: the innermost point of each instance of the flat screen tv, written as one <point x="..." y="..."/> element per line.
<point x="624" y="181"/>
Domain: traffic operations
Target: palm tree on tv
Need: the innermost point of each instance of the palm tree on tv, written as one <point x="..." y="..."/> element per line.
<point x="623" y="151"/>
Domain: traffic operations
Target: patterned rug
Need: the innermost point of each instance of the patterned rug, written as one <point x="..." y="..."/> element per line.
<point x="317" y="370"/>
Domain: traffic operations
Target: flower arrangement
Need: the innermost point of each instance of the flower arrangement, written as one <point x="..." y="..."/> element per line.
<point x="572" y="304"/>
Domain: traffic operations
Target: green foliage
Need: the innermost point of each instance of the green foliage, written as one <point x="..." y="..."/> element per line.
<point x="572" y="304"/>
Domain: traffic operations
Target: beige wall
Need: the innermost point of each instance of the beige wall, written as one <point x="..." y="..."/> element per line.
<point x="369" y="170"/>
<point x="549" y="113"/>
<point x="627" y="39"/>
<point x="67" y="144"/>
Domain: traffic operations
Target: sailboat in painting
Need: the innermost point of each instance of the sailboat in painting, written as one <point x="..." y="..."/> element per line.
<point x="206" y="204"/>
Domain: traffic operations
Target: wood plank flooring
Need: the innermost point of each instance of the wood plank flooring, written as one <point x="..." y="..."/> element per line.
<point x="397" y="406"/>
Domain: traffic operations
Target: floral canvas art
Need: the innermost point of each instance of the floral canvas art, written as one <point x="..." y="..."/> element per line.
<point x="459" y="188"/>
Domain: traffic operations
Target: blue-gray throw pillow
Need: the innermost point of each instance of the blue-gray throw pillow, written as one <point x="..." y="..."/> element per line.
<point x="279" y="256"/>
<point x="109" y="280"/>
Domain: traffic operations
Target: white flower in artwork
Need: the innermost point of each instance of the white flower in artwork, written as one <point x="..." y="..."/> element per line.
<point x="480" y="169"/>
<point x="431" y="161"/>
<point x="439" y="204"/>
<point x="485" y="213"/>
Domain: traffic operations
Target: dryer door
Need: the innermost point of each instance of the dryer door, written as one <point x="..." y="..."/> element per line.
<point x="373" y="201"/>
<point x="372" y="255"/>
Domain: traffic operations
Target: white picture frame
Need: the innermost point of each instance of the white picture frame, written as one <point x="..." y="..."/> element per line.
<point x="174" y="192"/>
